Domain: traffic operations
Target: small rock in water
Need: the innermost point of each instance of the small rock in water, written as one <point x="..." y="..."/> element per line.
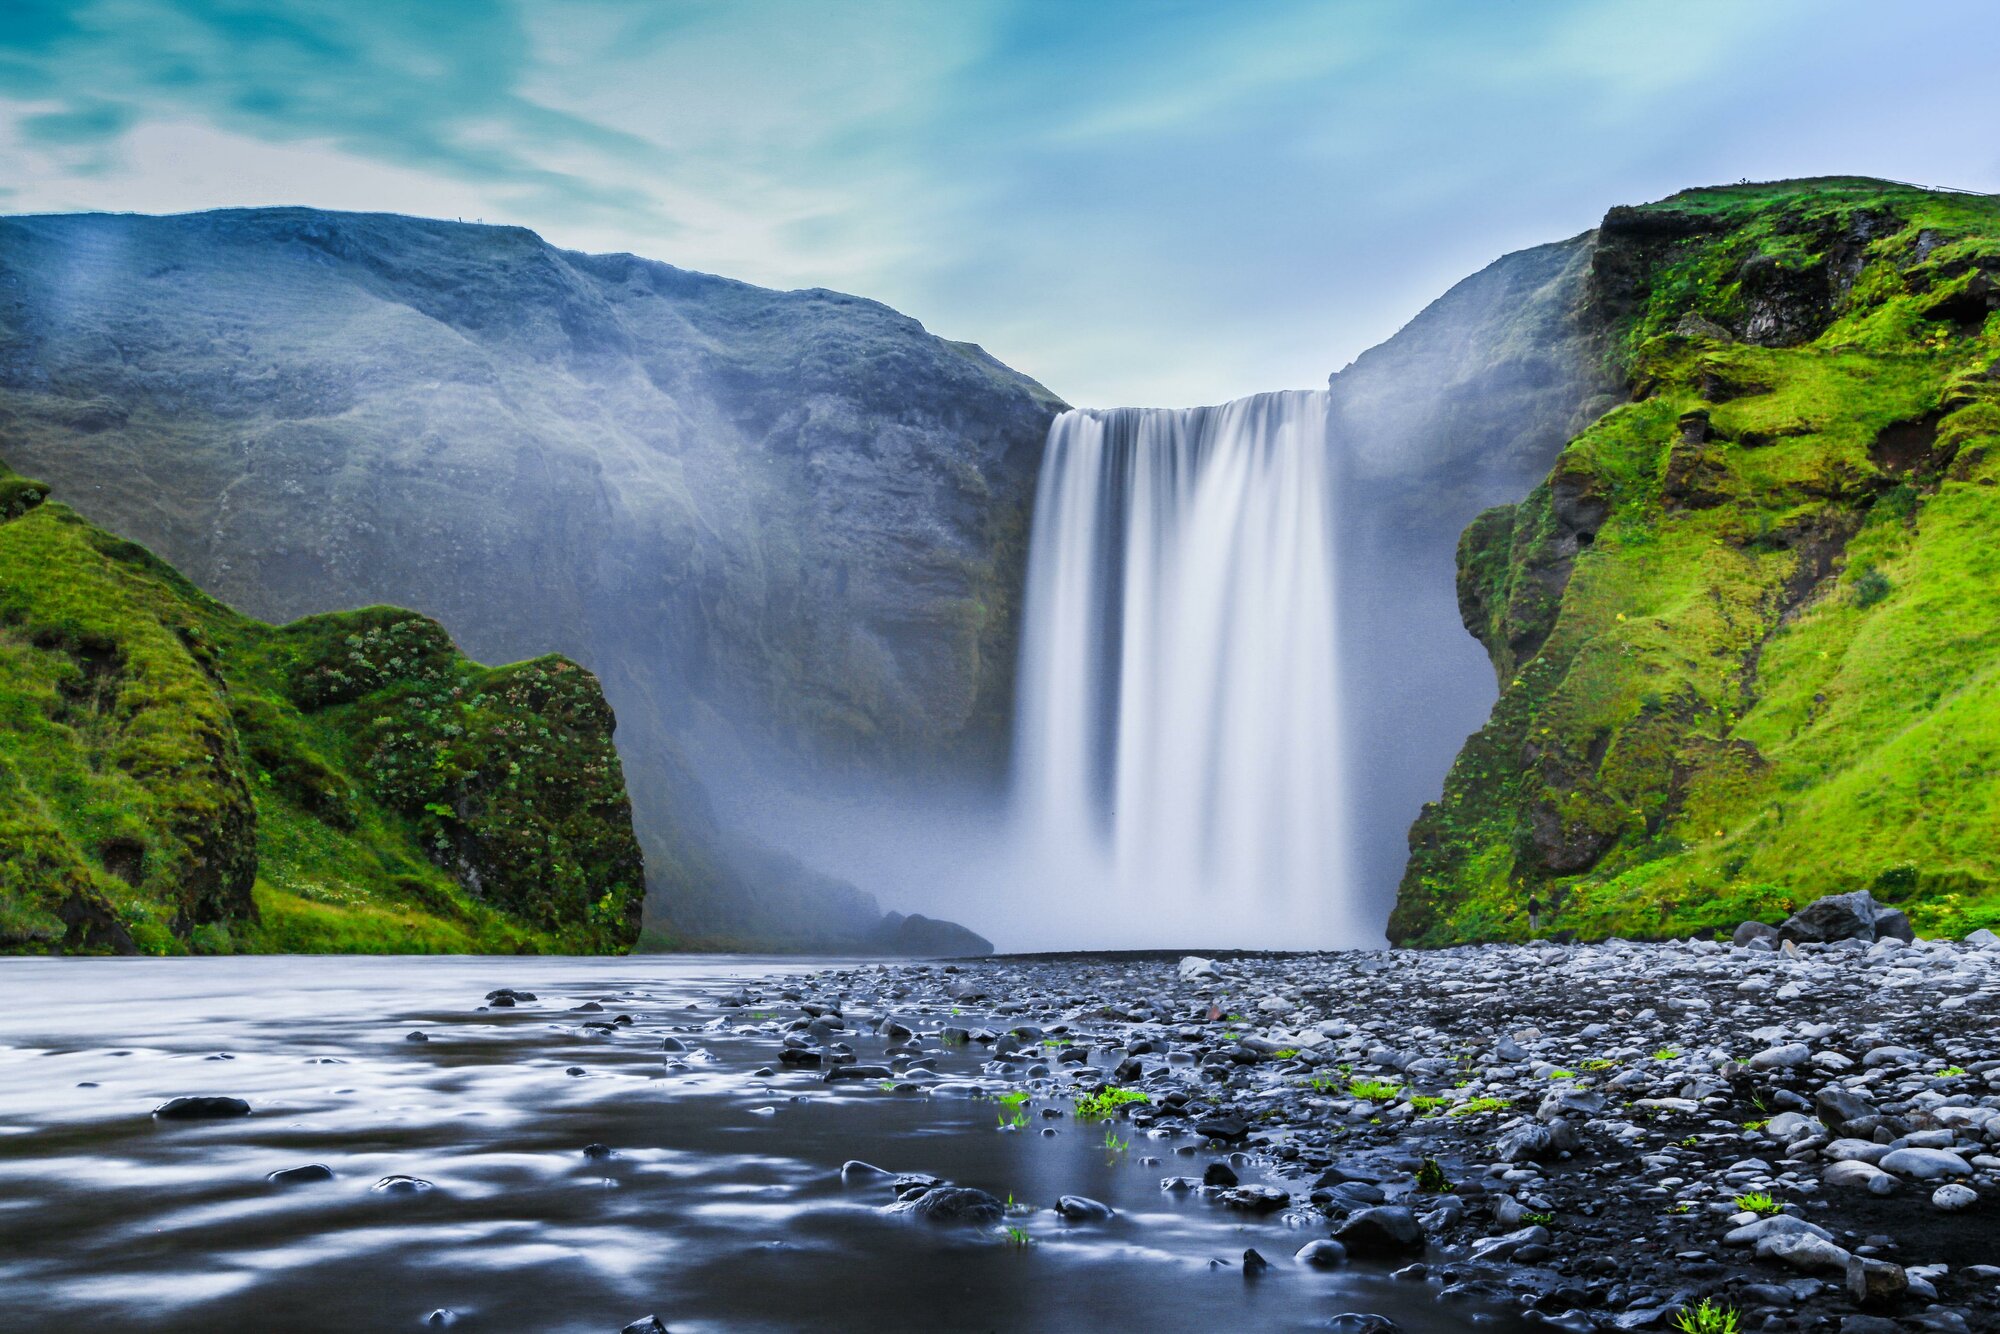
<point x="1219" y="1174"/>
<point x="201" y="1109"/>
<point x="854" y="1172"/>
<point x="1254" y="1264"/>
<point x="597" y="1151"/>
<point x="1083" y="1209"/>
<point x="416" y="1035"/>
<point x="441" y="1318"/>
<point x="1382" y="1230"/>
<point x="1322" y="1253"/>
<point x="401" y="1185"/>
<point x="953" y="1204"/>
<point x="299" y="1176"/>
<point x="1362" y="1322"/>
<point x="576" y="1071"/>
<point x="645" y="1324"/>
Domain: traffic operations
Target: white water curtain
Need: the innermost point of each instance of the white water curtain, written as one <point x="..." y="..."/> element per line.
<point x="1177" y="760"/>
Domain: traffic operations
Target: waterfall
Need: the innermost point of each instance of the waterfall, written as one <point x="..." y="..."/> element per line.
<point x="1177" y="771"/>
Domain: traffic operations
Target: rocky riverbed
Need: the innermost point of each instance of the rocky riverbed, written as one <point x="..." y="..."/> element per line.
<point x="1800" y="1132"/>
<point x="1603" y="1136"/>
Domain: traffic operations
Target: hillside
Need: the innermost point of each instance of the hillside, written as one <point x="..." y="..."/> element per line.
<point x="785" y="529"/>
<point x="175" y="776"/>
<point x="1747" y="630"/>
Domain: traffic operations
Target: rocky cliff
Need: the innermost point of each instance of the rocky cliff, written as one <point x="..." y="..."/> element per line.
<point x="174" y="775"/>
<point x="779" y="524"/>
<point x="1746" y="631"/>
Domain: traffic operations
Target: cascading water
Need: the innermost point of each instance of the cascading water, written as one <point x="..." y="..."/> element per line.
<point x="1177" y="758"/>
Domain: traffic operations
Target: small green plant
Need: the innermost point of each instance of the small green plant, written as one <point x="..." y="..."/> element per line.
<point x="1474" y="1106"/>
<point x="1542" y="1220"/>
<point x="1431" y="1178"/>
<point x="1102" y="1106"/>
<point x="1707" y="1318"/>
<point x="1562" y="1074"/>
<point x="1373" y="1090"/>
<point x="886" y="1085"/>
<point x="1428" y="1104"/>
<point x="1759" y="1203"/>
<point x="1951" y="1072"/>
<point x="1598" y="1065"/>
<point x="1287" y="1053"/>
<point x="1871" y="586"/>
<point x="1019" y="1237"/>
<point x="1665" y="1054"/>
<point x="1016" y="1115"/>
<point x="1692" y="1141"/>
<point x="1114" y="1143"/>
<point x="1678" y="1209"/>
<point x="1755" y="1125"/>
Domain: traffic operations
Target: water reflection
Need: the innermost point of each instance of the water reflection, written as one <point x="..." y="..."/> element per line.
<point x="719" y="1206"/>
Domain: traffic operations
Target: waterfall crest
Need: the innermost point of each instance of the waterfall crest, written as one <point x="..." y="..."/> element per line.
<point x="1177" y="772"/>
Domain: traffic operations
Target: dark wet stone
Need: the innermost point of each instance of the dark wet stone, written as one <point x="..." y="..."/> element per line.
<point x="201" y="1109"/>
<point x="597" y="1151"/>
<point x="509" y="993"/>
<point x="502" y="1002"/>
<point x="588" y="1007"/>
<point x="1219" y="1174"/>
<point x="953" y="1204"/>
<point x="1083" y="1209"/>
<point x="1254" y="1264"/>
<point x="858" y="1072"/>
<point x="300" y="1176"/>
<point x="1256" y="1199"/>
<point x="645" y="1324"/>
<point x="672" y="1044"/>
<point x="1226" y="1128"/>
<point x="854" y="1172"/>
<point x="1382" y="1230"/>
<point x="401" y="1185"/>
<point x="441" y="1318"/>
<point x="800" y="1056"/>
<point x="417" y="1035"/>
<point x="1362" y="1322"/>
<point x="575" y="1071"/>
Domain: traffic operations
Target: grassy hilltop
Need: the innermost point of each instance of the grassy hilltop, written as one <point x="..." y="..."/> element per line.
<point x="175" y="776"/>
<point x="1747" y="632"/>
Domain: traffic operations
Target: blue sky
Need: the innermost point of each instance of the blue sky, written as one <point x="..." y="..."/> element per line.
<point x="1155" y="203"/>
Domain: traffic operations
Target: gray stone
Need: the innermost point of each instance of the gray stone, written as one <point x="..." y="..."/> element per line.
<point x="1954" y="1198"/>
<point x="1925" y="1164"/>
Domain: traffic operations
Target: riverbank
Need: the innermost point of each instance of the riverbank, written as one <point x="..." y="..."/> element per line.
<point x="1603" y="1136"/>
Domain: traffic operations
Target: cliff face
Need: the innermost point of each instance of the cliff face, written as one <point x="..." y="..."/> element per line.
<point x="1464" y="408"/>
<point x="794" y="521"/>
<point x="174" y="775"/>
<point x="1747" y="630"/>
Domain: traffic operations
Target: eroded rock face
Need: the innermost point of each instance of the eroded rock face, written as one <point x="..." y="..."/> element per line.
<point x="795" y="511"/>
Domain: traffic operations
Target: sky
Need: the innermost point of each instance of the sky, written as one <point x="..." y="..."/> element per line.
<point x="1137" y="203"/>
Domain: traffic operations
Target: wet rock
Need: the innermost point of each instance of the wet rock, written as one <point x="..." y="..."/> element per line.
<point x="301" y="1176"/>
<point x="1219" y="1174"/>
<point x="1360" y="1322"/>
<point x="1382" y="1230"/>
<point x="1083" y="1209"/>
<point x="1229" y="1129"/>
<point x="1321" y="1253"/>
<point x="953" y="1204"/>
<point x="401" y="1185"/>
<point x="203" y="1108"/>
<point x="1254" y="1264"/>
<point x="1195" y="968"/>
<point x="646" y="1324"/>
<point x="416" y="1035"/>
<point x="597" y="1152"/>
<point x="1803" y="1251"/>
<point x="1255" y="1199"/>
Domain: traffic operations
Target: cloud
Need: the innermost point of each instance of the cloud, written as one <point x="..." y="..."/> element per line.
<point x="1143" y="202"/>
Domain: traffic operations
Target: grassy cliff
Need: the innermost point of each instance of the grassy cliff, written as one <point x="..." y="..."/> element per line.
<point x="1747" y="632"/>
<point x="175" y="776"/>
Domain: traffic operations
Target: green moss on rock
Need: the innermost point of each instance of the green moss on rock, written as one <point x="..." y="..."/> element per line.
<point x="1748" y="631"/>
<point x="175" y="776"/>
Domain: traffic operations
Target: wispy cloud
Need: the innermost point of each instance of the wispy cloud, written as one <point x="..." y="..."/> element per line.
<point x="1160" y="201"/>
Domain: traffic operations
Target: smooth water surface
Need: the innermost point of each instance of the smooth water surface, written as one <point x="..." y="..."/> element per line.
<point x="721" y="1208"/>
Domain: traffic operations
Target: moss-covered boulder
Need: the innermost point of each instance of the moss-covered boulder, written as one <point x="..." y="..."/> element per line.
<point x="176" y="776"/>
<point x="1747" y="632"/>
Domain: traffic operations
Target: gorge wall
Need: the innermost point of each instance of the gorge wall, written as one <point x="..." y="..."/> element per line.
<point x="1746" y="631"/>
<point x="785" y="529"/>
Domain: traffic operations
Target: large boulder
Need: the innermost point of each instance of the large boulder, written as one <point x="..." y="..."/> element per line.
<point x="1855" y="916"/>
